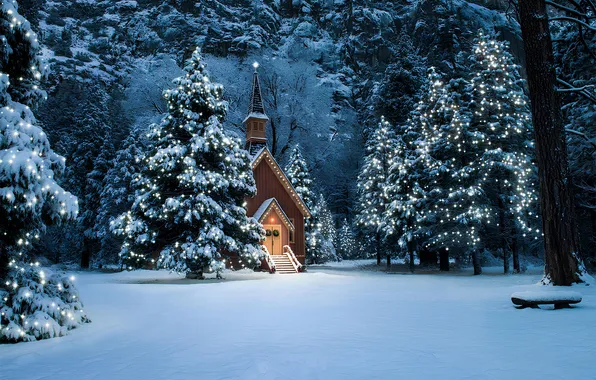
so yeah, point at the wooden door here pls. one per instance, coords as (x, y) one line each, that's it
(274, 243)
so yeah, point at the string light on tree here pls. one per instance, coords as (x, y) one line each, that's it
(189, 204)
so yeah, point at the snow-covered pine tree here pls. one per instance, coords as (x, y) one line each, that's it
(399, 91)
(189, 206)
(346, 242)
(499, 149)
(437, 124)
(399, 222)
(298, 173)
(323, 233)
(575, 53)
(117, 194)
(33, 303)
(372, 182)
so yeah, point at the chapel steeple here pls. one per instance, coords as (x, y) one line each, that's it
(256, 120)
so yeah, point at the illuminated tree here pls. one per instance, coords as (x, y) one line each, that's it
(323, 233)
(189, 205)
(346, 242)
(34, 304)
(476, 142)
(298, 173)
(500, 147)
(372, 182)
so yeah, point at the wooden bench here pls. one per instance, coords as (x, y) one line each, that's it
(532, 299)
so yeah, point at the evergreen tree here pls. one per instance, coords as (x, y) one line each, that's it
(399, 91)
(30, 197)
(476, 145)
(500, 135)
(298, 173)
(575, 53)
(117, 194)
(190, 196)
(372, 182)
(323, 233)
(399, 222)
(346, 242)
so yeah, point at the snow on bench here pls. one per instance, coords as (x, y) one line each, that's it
(561, 299)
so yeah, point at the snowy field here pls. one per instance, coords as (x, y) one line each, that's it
(326, 324)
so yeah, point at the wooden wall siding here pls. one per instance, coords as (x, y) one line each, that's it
(255, 129)
(269, 186)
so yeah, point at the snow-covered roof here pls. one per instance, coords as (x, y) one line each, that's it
(268, 205)
(264, 153)
(255, 115)
(255, 151)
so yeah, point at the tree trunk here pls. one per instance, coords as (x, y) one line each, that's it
(388, 262)
(86, 254)
(503, 231)
(444, 260)
(561, 245)
(476, 263)
(593, 239)
(411, 245)
(515, 251)
(378, 250)
(3, 265)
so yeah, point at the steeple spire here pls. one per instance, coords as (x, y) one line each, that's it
(256, 120)
(256, 99)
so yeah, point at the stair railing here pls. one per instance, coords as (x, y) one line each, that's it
(269, 260)
(295, 263)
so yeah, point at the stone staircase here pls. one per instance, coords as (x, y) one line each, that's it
(283, 265)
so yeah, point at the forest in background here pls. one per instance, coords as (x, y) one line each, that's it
(330, 69)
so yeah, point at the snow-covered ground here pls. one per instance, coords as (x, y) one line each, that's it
(325, 324)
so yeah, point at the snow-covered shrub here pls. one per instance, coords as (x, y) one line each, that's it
(38, 304)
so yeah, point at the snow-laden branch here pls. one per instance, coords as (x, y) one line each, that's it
(576, 89)
(570, 88)
(582, 135)
(566, 9)
(571, 19)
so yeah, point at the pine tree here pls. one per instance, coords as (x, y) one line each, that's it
(323, 233)
(399, 222)
(117, 194)
(500, 137)
(33, 303)
(448, 218)
(399, 91)
(372, 182)
(189, 204)
(346, 242)
(298, 173)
